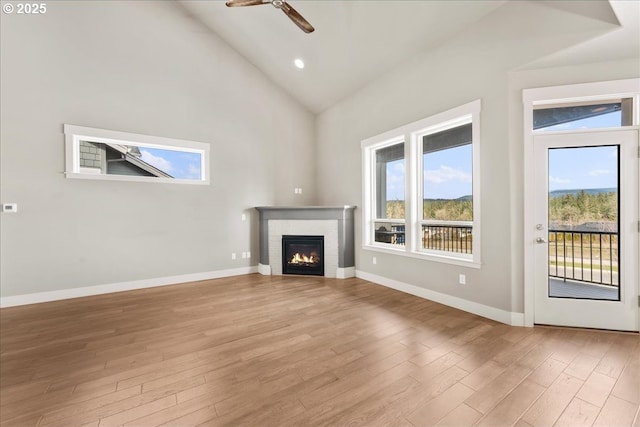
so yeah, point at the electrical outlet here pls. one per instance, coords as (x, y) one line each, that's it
(244, 217)
(462, 279)
(233, 255)
(244, 255)
(248, 254)
(374, 260)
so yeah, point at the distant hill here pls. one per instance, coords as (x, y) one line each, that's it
(463, 199)
(552, 194)
(592, 191)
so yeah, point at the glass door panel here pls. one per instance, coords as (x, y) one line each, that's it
(583, 222)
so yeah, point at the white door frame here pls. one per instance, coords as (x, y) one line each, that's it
(584, 312)
(629, 88)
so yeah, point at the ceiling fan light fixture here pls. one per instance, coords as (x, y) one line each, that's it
(299, 63)
(297, 19)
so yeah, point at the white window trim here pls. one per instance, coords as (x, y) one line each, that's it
(411, 134)
(370, 171)
(75, 134)
(554, 96)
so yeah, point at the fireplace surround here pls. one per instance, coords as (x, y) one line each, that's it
(334, 223)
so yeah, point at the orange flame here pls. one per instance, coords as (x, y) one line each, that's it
(303, 259)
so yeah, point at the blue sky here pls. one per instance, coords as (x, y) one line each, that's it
(447, 173)
(583, 168)
(178, 164)
(395, 180)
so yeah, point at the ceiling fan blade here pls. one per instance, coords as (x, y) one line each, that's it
(234, 3)
(297, 18)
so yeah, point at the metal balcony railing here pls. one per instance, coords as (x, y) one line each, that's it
(449, 238)
(589, 256)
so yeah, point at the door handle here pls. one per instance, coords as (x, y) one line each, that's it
(540, 240)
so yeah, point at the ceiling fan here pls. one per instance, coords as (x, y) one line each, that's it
(278, 4)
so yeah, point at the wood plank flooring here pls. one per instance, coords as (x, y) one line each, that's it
(302, 351)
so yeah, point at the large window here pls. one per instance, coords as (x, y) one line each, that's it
(447, 196)
(421, 188)
(111, 155)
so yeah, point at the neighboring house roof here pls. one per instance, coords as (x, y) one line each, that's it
(132, 156)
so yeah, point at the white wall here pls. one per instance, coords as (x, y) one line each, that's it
(474, 65)
(141, 67)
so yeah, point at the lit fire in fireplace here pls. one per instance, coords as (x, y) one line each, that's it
(304, 259)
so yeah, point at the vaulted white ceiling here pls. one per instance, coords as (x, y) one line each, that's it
(356, 42)
(622, 42)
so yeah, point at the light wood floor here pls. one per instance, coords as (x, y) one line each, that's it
(289, 351)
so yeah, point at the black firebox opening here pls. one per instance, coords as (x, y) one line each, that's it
(303, 255)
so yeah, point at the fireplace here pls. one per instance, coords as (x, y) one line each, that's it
(303, 255)
(334, 223)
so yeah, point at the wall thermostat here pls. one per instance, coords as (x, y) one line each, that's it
(10, 207)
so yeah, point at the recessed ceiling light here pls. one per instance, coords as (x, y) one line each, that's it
(299, 63)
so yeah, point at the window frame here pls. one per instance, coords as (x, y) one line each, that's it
(74, 134)
(411, 134)
(442, 126)
(534, 98)
(373, 185)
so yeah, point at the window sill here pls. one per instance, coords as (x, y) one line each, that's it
(445, 259)
(76, 175)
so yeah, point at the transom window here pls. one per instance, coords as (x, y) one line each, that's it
(421, 188)
(595, 114)
(104, 154)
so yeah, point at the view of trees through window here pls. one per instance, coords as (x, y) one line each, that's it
(583, 187)
(583, 206)
(583, 214)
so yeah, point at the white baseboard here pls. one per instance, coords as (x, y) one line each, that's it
(345, 273)
(503, 316)
(265, 270)
(120, 287)
(517, 319)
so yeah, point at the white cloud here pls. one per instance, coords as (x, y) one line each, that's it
(556, 180)
(159, 162)
(445, 174)
(598, 172)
